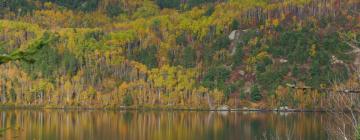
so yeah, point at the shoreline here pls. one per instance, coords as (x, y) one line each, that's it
(132, 108)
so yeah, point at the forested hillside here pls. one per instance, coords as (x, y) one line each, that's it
(177, 53)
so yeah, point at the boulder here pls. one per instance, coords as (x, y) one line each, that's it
(283, 108)
(223, 107)
(241, 72)
(232, 35)
(283, 60)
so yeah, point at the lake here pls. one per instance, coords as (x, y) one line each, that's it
(160, 125)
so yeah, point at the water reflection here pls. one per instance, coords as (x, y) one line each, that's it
(152, 125)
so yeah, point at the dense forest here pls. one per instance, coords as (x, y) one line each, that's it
(177, 53)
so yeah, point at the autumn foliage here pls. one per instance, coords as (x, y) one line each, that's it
(176, 54)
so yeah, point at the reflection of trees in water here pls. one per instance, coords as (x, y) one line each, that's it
(60, 124)
(271, 125)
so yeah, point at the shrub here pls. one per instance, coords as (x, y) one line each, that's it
(168, 3)
(239, 54)
(216, 77)
(221, 43)
(113, 10)
(235, 24)
(209, 11)
(189, 57)
(242, 94)
(128, 101)
(255, 93)
(147, 56)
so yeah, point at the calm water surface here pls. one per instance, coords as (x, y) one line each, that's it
(159, 125)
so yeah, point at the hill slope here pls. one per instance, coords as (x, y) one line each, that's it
(193, 54)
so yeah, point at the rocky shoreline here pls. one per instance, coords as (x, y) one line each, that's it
(221, 108)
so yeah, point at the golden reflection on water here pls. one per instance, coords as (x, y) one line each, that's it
(158, 125)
